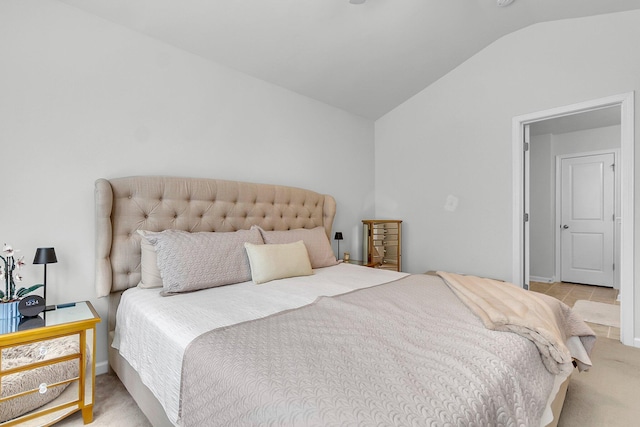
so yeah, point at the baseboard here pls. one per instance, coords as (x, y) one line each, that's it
(541, 279)
(102, 367)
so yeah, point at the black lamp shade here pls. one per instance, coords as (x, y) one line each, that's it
(338, 235)
(45, 256)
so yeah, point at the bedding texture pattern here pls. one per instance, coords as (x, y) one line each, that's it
(153, 332)
(404, 353)
(193, 261)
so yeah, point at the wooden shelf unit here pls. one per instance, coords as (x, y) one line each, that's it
(382, 243)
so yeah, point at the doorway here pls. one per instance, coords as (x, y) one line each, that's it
(521, 177)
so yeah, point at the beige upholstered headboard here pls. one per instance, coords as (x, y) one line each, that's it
(155, 203)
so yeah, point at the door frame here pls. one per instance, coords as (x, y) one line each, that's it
(558, 213)
(626, 103)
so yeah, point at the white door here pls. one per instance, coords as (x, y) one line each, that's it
(587, 215)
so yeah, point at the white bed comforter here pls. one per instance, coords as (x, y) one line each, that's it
(152, 332)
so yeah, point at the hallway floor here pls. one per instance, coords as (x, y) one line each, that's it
(569, 293)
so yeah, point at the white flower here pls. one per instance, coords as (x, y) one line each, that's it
(7, 249)
(17, 276)
(1, 271)
(20, 262)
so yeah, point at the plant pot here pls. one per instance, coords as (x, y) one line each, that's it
(9, 317)
(9, 310)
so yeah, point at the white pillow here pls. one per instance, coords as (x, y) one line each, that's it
(193, 261)
(150, 275)
(315, 239)
(278, 261)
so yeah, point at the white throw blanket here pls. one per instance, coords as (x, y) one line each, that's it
(505, 307)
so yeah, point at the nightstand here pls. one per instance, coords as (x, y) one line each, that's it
(61, 342)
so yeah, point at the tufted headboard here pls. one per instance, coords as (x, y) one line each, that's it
(155, 203)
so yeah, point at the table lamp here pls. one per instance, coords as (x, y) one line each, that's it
(45, 256)
(338, 237)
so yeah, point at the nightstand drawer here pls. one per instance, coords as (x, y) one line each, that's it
(28, 366)
(35, 388)
(22, 355)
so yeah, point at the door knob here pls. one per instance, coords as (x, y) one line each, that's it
(565, 226)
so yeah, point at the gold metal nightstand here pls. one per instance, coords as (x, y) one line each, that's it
(77, 322)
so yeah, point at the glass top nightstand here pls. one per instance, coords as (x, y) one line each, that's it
(40, 337)
(81, 311)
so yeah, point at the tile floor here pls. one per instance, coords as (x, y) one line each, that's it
(569, 293)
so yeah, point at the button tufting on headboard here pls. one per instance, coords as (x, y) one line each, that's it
(124, 205)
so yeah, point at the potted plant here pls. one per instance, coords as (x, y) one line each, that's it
(10, 272)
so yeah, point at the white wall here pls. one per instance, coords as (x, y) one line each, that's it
(454, 137)
(81, 99)
(544, 149)
(603, 138)
(542, 254)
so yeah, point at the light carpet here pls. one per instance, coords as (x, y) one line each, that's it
(114, 407)
(598, 312)
(604, 396)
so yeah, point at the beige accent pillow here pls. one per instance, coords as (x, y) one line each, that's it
(315, 239)
(193, 261)
(148, 264)
(278, 261)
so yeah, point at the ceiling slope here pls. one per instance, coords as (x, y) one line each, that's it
(366, 59)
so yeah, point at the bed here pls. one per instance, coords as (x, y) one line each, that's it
(336, 344)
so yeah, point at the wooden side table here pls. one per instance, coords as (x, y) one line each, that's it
(78, 322)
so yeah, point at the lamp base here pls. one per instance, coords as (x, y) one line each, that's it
(50, 308)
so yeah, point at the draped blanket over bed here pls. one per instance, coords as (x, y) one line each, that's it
(404, 353)
(542, 319)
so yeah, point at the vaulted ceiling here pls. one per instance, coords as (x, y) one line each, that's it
(364, 58)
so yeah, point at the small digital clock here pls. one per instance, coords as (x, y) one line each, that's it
(31, 305)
